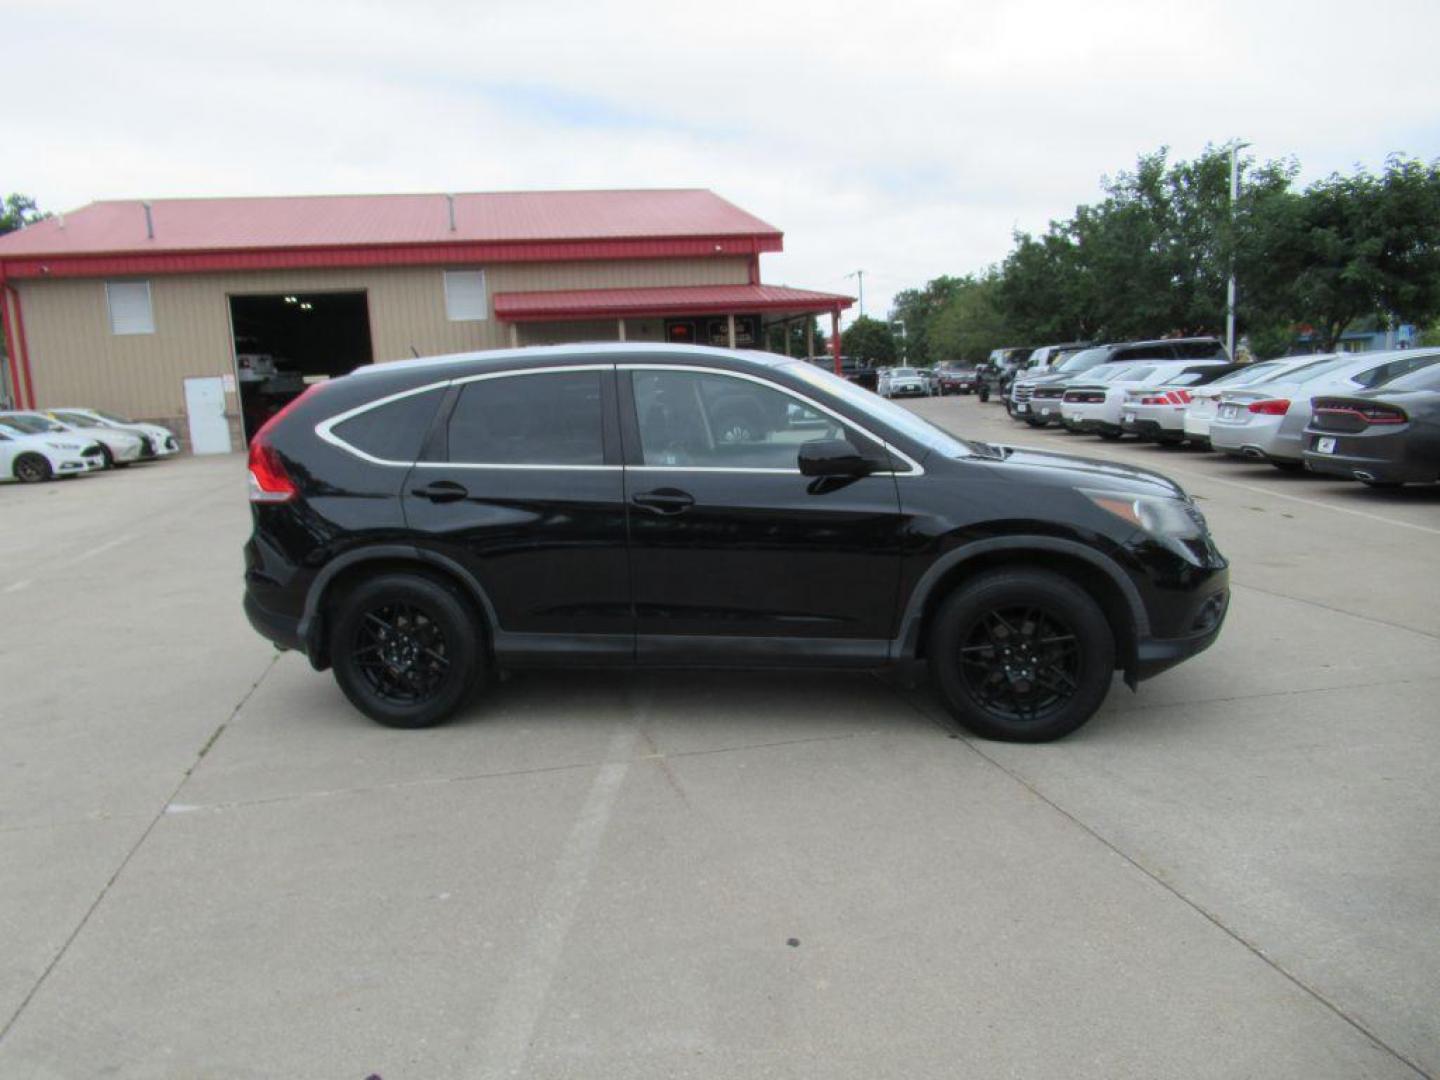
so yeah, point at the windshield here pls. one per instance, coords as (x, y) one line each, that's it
(32, 425)
(77, 419)
(904, 372)
(1387, 372)
(887, 412)
(1253, 373)
(1083, 360)
(1306, 372)
(111, 417)
(1427, 378)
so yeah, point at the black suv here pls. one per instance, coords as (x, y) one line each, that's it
(419, 524)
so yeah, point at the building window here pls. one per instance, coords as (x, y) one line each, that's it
(130, 307)
(465, 296)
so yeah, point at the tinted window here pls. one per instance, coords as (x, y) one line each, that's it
(1145, 352)
(1198, 350)
(714, 421)
(1427, 378)
(1084, 360)
(545, 419)
(1378, 376)
(1253, 373)
(392, 432)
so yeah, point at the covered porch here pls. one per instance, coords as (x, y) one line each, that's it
(731, 316)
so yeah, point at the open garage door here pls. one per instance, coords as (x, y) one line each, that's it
(286, 341)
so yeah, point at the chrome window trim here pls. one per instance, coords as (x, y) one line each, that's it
(325, 429)
(915, 467)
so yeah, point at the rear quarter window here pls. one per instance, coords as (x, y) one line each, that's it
(549, 418)
(393, 431)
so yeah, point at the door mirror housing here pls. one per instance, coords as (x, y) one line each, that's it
(834, 457)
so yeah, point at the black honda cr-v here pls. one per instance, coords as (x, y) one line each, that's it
(419, 524)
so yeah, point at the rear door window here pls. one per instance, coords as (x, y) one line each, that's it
(392, 431)
(548, 418)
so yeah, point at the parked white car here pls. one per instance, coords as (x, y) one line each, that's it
(156, 441)
(117, 447)
(1095, 403)
(31, 458)
(1266, 420)
(903, 382)
(1204, 399)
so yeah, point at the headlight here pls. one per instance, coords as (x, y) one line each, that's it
(1174, 522)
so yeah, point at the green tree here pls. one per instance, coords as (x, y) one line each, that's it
(915, 308)
(869, 339)
(972, 323)
(18, 210)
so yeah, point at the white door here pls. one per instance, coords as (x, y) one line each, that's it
(205, 406)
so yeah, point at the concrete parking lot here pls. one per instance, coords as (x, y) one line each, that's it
(214, 867)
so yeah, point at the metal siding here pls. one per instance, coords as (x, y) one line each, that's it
(75, 359)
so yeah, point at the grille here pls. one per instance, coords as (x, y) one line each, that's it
(1023, 391)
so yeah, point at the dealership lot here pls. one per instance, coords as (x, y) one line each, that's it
(216, 868)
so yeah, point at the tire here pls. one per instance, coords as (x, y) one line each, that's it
(1077, 648)
(1112, 436)
(1036, 423)
(32, 468)
(1288, 466)
(388, 634)
(107, 456)
(1383, 485)
(983, 393)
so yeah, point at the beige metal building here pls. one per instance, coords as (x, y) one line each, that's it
(208, 314)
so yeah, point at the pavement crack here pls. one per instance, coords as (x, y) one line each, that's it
(952, 730)
(129, 855)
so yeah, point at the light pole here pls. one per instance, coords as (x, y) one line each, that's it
(859, 276)
(904, 352)
(1235, 147)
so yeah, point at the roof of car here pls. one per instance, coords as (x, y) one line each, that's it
(617, 350)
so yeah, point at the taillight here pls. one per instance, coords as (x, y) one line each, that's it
(1270, 407)
(269, 483)
(1384, 414)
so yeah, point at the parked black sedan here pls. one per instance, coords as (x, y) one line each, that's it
(1384, 437)
(419, 524)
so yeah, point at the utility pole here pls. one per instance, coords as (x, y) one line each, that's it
(859, 276)
(1235, 147)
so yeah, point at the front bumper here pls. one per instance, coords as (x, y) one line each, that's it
(1204, 622)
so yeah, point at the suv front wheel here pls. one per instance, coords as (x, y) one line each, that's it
(406, 649)
(1021, 655)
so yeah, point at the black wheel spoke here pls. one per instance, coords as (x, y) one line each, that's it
(1020, 662)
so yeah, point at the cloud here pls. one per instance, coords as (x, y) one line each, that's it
(907, 139)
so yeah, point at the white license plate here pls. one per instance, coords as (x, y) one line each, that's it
(1022, 408)
(1229, 412)
(1325, 446)
(1128, 418)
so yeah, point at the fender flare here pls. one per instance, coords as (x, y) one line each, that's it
(908, 642)
(309, 626)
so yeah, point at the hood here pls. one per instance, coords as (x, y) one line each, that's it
(1072, 471)
(112, 436)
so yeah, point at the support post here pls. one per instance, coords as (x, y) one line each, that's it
(730, 323)
(809, 336)
(621, 324)
(835, 339)
(514, 335)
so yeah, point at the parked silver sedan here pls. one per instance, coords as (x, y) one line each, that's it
(1266, 421)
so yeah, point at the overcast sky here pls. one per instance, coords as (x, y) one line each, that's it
(907, 139)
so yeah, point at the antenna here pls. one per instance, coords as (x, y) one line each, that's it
(149, 222)
(859, 276)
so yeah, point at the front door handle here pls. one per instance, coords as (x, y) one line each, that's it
(442, 491)
(664, 500)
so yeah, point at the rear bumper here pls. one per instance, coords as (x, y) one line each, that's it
(1380, 470)
(281, 629)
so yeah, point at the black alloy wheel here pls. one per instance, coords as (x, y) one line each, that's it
(406, 649)
(1022, 655)
(32, 468)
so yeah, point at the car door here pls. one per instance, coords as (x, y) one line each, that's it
(734, 553)
(520, 482)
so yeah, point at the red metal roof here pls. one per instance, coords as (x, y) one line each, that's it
(674, 300)
(343, 221)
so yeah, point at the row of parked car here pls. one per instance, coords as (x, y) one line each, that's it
(1373, 417)
(37, 446)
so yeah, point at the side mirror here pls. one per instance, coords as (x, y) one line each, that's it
(833, 457)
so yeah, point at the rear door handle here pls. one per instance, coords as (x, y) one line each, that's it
(664, 500)
(442, 491)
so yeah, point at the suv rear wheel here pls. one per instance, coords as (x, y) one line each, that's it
(1022, 655)
(406, 649)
